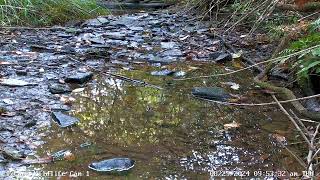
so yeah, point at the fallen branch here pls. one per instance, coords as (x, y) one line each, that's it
(312, 152)
(260, 104)
(293, 121)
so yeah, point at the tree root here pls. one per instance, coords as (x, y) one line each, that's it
(284, 93)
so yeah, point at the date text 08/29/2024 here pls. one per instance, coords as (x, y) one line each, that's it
(259, 173)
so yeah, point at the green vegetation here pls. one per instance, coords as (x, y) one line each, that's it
(47, 12)
(309, 62)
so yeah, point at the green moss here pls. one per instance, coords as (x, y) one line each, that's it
(47, 12)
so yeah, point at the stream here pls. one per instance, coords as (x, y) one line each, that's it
(169, 133)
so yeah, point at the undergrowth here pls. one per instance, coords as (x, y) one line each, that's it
(47, 12)
(310, 61)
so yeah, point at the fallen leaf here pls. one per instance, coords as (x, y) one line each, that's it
(231, 125)
(279, 138)
(232, 85)
(237, 55)
(78, 90)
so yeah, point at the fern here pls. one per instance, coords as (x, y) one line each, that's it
(315, 25)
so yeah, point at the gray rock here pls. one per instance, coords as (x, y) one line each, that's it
(79, 78)
(64, 120)
(113, 165)
(168, 45)
(173, 52)
(213, 93)
(164, 72)
(115, 35)
(21, 72)
(220, 56)
(136, 28)
(59, 88)
(96, 22)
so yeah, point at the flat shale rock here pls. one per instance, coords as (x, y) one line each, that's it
(79, 78)
(64, 120)
(220, 56)
(113, 165)
(212, 93)
(59, 88)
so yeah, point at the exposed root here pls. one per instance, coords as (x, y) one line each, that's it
(285, 93)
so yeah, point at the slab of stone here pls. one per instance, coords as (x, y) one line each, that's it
(79, 77)
(59, 88)
(212, 93)
(64, 120)
(220, 56)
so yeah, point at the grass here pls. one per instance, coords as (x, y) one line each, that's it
(47, 12)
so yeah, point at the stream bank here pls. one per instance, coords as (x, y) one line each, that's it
(168, 132)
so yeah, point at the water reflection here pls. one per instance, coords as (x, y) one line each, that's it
(168, 133)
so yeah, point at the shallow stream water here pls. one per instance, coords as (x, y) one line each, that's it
(169, 133)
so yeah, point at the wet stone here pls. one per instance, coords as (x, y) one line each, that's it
(168, 45)
(79, 78)
(59, 88)
(164, 72)
(116, 35)
(96, 22)
(21, 72)
(64, 120)
(113, 165)
(173, 52)
(220, 56)
(213, 93)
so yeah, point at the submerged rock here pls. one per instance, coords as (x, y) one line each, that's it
(113, 165)
(164, 72)
(64, 120)
(79, 78)
(59, 88)
(220, 56)
(213, 93)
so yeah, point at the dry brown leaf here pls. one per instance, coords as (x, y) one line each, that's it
(279, 138)
(231, 125)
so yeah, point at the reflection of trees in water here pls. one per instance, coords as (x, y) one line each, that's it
(119, 113)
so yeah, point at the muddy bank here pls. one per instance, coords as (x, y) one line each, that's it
(105, 72)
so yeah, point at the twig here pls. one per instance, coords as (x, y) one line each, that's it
(261, 104)
(293, 121)
(303, 164)
(308, 16)
(301, 124)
